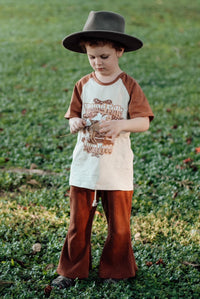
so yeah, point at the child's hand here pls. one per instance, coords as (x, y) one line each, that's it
(76, 124)
(110, 128)
(113, 128)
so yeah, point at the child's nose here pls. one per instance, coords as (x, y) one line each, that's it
(98, 60)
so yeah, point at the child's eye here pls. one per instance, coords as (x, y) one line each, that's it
(104, 56)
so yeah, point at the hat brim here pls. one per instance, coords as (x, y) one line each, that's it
(130, 43)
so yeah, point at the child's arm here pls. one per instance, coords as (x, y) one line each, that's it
(114, 127)
(76, 124)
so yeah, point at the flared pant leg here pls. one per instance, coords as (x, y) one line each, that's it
(117, 260)
(75, 259)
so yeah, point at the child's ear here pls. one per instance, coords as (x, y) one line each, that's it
(120, 52)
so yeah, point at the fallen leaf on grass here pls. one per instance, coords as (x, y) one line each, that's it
(47, 290)
(197, 266)
(49, 266)
(197, 150)
(33, 182)
(194, 167)
(160, 262)
(175, 194)
(29, 171)
(149, 264)
(137, 236)
(5, 284)
(30, 89)
(19, 86)
(23, 112)
(60, 147)
(189, 140)
(21, 207)
(188, 160)
(33, 166)
(23, 188)
(98, 213)
(37, 247)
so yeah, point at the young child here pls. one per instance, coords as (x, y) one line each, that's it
(105, 107)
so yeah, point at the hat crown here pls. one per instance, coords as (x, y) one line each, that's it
(104, 21)
(103, 25)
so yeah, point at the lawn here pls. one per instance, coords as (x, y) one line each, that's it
(37, 76)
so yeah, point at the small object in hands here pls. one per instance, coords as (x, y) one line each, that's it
(93, 125)
(87, 122)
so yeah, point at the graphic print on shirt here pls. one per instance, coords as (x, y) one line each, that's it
(97, 143)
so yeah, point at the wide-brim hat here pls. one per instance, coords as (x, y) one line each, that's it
(103, 25)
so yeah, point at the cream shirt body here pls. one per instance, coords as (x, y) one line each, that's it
(99, 164)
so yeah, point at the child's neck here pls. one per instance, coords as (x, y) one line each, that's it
(109, 78)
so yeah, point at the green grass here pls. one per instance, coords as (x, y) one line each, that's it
(36, 79)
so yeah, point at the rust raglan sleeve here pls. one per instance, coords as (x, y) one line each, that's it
(138, 105)
(75, 107)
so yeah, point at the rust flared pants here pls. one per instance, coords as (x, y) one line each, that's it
(117, 259)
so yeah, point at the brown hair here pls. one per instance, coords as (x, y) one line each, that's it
(100, 42)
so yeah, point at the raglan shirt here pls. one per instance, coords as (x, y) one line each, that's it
(98, 163)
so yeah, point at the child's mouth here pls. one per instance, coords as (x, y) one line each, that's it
(100, 69)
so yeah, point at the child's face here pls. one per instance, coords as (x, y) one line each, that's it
(104, 59)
